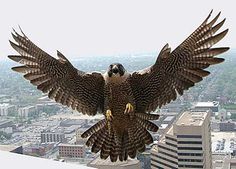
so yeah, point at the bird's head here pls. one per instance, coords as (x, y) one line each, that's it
(116, 70)
(116, 73)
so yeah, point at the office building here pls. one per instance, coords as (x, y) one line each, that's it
(52, 136)
(27, 111)
(206, 106)
(227, 126)
(6, 109)
(72, 151)
(187, 144)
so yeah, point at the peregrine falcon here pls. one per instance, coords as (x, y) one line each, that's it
(127, 100)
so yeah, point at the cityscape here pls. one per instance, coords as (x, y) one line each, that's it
(198, 130)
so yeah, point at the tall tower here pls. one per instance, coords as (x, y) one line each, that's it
(187, 144)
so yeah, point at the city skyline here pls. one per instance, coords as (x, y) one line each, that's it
(107, 28)
(197, 130)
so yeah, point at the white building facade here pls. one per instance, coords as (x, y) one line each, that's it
(187, 144)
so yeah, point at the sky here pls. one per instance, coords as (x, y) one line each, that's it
(93, 28)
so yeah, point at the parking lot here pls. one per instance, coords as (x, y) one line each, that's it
(223, 141)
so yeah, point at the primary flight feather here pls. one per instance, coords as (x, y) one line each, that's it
(125, 99)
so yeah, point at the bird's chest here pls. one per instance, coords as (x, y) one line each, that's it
(118, 96)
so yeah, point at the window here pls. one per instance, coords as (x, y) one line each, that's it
(189, 148)
(189, 142)
(169, 138)
(170, 144)
(163, 158)
(162, 152)
(191, 160)
(189, 136)
(191, 166)
(163, 164)
(189, 154)
(167, 149)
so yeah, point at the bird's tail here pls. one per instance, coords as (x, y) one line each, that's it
(122, 146)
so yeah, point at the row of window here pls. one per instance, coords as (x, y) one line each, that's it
(71, 148)
(191, 166)
(171, 161)
(167, 165)
(162, 152)
(189, 148)
(169, 138)
(189, 154)
(191, 160)
(167, 149)
(170, 144)
(189, 142)
(154, 165)
(189, 136)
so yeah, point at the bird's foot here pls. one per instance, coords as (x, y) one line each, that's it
(129, 108)
(109, 118)
(109, 115)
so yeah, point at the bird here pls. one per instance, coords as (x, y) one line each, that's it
(127, 100)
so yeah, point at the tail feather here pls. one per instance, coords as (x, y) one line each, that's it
(146, 116)
(99, 141)
(121, 144)
(94, 128)
(131, 147)
(107, 145)
(147, 137)
(148, 125)
(114, 152)
(139, 142)
(124, 147)
(91, 139)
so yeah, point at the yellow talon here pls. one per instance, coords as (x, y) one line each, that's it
(129, 108)
(109, 117)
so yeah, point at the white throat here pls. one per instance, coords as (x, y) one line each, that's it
(115, 78)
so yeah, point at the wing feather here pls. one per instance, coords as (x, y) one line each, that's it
(57, 77)
(180, 69)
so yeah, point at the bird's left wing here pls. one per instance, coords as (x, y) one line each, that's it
(178, 70)
(79, 90)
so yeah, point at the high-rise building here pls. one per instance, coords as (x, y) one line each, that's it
(6, 109)
(187, 144)
(27, 111)
(52, 136)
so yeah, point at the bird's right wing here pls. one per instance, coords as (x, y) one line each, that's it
(57, 77)
(180, 69)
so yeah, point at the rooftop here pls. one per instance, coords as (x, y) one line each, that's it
(223, 142)
(76, 115)
(8, 147)
(29, 162)
(206, 104)
(71, 145)
(169, 118)
(191, 119)
(100, 162)
(5, 105)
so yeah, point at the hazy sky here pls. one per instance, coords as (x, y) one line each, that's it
(106, 27)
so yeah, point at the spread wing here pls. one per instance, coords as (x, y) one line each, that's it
(57, 77)
(180, 69)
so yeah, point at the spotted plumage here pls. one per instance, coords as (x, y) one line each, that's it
(125, 99)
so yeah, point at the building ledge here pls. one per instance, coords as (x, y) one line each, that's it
(12, 161)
